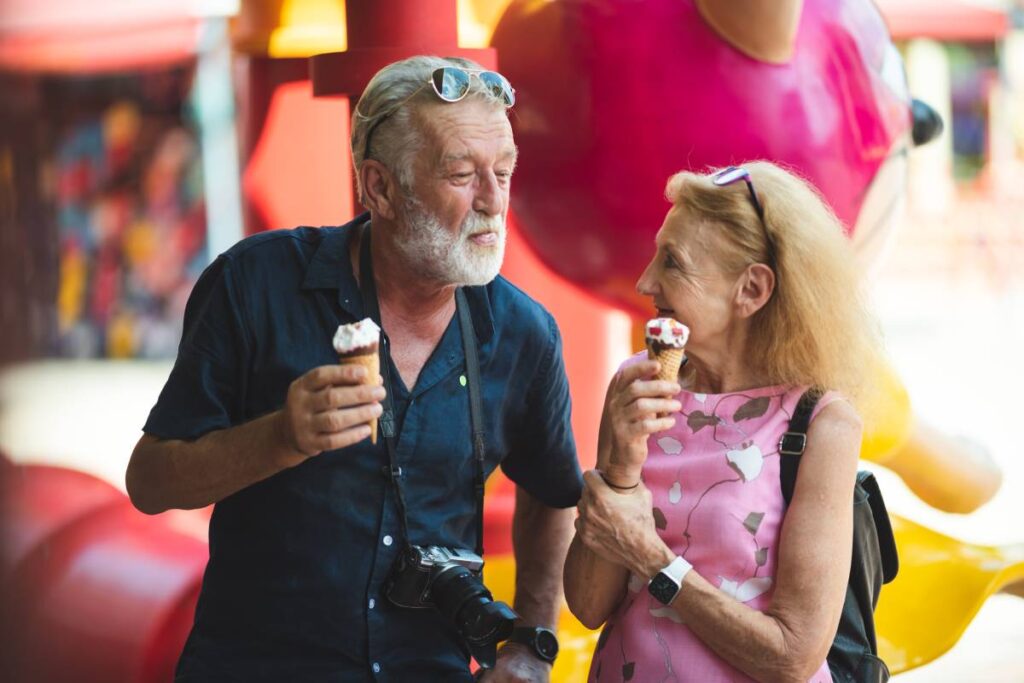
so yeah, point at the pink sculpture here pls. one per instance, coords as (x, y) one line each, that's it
(614, 96)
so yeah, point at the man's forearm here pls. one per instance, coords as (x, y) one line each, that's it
(540, 537)
(192, 474)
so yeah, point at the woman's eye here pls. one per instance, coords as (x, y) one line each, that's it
(670, 262)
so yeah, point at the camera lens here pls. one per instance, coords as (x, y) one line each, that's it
(460, 596)
(486, 621)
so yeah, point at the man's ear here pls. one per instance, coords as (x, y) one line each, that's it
(381, 194)
(754, 288)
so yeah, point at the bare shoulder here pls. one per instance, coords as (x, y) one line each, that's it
(838, 415)
(833, 443)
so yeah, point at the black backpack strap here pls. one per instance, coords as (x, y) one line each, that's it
(794, 441)
(883, 525)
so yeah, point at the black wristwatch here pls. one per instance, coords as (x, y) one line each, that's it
(541, 641)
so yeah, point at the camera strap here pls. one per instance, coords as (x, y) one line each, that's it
(371, 308)
(476, 410)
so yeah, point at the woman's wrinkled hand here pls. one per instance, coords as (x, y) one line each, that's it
(631, 413)
(619, 527)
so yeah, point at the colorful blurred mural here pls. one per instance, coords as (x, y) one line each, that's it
(128, 197)
(119, 189)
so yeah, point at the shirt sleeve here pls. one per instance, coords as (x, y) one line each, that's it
(543, 457)
(206, 387)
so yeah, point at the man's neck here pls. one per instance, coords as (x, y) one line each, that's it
(419, 306)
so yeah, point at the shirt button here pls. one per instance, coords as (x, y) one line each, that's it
(376, 667)
(373, 603)
(388, 540)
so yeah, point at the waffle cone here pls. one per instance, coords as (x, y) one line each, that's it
(370, 361)
(670, 360)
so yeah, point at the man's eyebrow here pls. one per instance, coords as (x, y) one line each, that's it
(452, 157)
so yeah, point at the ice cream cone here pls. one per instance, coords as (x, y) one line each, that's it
(356, 344)
(670, 360)
(370, 361)
(666, 339)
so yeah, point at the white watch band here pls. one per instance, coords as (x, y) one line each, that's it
(666, 584)
(677, 570)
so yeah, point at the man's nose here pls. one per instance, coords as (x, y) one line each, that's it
(490, 197)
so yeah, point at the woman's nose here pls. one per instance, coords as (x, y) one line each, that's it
(646, 285)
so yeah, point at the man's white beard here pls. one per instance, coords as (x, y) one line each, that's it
(435, 254)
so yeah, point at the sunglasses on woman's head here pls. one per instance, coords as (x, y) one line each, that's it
(451, 84)
(734, 174)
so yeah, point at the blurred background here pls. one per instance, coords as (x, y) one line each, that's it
(139, 140)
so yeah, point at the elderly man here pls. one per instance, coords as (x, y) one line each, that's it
(259, 418)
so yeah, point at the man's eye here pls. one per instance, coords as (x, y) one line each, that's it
(670, 262)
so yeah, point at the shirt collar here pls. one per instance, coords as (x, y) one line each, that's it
(330, 269)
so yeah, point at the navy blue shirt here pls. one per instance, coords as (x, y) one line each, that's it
(292, 590)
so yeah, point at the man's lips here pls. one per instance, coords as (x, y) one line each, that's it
(485, 239)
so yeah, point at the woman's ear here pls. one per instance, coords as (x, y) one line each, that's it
(380, 189)
(755, 287)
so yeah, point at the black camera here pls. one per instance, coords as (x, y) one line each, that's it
(448, 579)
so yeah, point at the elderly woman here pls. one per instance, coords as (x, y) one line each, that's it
(687, 482)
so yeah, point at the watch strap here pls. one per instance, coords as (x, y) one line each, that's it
(527, 635)
(677, 569)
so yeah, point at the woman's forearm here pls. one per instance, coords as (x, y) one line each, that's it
(594, 587)
(760, 644)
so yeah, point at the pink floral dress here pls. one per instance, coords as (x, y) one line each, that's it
(718, 503)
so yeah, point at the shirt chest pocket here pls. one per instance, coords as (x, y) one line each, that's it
(435, 447)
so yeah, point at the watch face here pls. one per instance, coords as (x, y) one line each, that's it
(663, 588)
(546, 644)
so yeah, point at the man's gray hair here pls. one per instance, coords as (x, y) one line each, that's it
(392, 98)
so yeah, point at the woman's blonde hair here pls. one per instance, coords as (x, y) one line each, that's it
(815, 329)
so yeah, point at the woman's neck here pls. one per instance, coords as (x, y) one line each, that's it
(720, 370)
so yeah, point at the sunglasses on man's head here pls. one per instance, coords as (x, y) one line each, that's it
(451, 84)
(734, 174)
